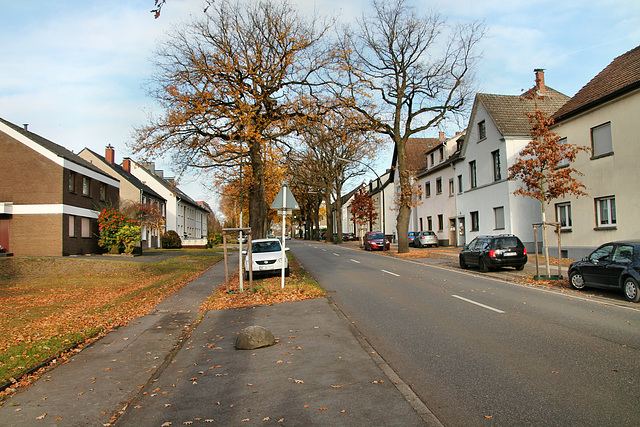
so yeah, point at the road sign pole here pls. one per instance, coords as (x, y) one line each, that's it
(284, 239)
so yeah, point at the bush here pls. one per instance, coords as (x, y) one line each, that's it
(214, 239)
(171, 240)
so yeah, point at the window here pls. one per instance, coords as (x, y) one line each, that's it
(564, 162)
(475, 222)
(440, 222)
(601, 143)
(606, 212)
(432, 161)
(86, 227)
(72, 182)
(495, 156)
(472, 174)
(563, 215)
(429, 223)
(452, 189)
(460, 184)
(482, 130)
(86, 186)
(441, 152)
(103, 191)
(72, 226)
(438, 185)
(623, 254)
(498, 218)
(602, 254)
(421, 225)
(427, 189)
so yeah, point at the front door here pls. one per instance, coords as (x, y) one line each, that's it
(461, 232)
(4, 234)
(452, 232)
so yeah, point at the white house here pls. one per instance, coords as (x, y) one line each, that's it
(498, 130)
(437, 210)
(183, 214)
(604, 117)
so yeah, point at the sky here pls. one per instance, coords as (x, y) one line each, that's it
(76, 71)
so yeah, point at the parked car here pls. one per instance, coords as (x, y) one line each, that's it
(504, 250)
(412, 237)
(614, 265)
(373, 240)
(347, 237)
(266, 257)
(426, 238)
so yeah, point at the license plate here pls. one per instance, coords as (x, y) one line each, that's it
(510, 254)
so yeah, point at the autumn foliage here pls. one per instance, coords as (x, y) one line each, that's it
(117, 232)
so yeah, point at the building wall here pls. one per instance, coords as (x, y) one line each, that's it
(612, 175)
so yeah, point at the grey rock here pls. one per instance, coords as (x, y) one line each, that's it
(254, 337)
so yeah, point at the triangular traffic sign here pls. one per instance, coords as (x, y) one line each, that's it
(282, 202)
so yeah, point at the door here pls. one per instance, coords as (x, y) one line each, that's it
(452, 232)
(622, 259)
(595, 271)
(4, 235)
(461, 232)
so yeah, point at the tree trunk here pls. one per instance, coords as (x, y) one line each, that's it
(257, 203)
(404, 208)
(329, 235)
(339, 212)
(544, 239)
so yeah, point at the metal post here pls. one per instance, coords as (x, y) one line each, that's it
(226, 266)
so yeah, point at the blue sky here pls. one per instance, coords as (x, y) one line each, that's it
(75, 70)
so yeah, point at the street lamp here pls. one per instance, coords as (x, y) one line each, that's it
(384, 235)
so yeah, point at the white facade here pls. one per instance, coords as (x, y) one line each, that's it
(486, 205)
(182, 215)
(436, 207)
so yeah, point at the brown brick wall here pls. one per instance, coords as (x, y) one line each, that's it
(27, 177)
(36, 235)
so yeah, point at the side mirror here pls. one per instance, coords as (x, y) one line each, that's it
(585, 259)
(286, 249)
(244, 252)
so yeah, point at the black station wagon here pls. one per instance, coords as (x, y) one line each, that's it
(614, 265)
(504, 250)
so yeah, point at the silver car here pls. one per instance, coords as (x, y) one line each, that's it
(426, 238)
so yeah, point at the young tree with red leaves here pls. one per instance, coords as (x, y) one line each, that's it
(540, 170)
(362, 210)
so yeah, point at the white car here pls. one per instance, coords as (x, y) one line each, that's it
(266, 257)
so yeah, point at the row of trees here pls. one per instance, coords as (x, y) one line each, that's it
(257, 92)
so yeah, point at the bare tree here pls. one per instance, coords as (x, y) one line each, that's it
(419, 68)
(231, 85)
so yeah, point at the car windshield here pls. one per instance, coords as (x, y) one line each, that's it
(272, 246)
(375, 236)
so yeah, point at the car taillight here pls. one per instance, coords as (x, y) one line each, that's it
(492, 253)
(525, 251)
(435, 236)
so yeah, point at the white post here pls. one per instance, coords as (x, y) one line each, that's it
(284, 219)
(240, 269)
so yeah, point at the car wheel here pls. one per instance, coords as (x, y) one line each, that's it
(418, 244)
(576, 280)
(482, 266)
(520, 267)
(631, 290)
(463, 264)
(246, 275)
(286, 272)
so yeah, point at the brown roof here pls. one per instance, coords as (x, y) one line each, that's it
(416, 149)
(621, 76)
(508, 111)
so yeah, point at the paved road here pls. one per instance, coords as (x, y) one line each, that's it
(479, 350)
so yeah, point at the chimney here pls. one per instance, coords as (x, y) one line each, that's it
(110, 154)
(540, 87)
(26, 126)
(441, 136)
(126, 164)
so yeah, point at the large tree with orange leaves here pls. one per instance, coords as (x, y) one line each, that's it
(232, 84)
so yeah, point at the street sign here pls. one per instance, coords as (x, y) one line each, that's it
(285, 200)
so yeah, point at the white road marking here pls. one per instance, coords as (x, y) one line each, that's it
(336, 254)
(356, 261)
(478, 304)
(388, 272)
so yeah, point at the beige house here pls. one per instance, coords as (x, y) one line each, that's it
(603, 116)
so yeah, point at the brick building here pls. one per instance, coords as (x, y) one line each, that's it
(49, 197)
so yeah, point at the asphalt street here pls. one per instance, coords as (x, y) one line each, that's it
(476, 349)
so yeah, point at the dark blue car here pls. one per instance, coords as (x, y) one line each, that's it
(614, 265)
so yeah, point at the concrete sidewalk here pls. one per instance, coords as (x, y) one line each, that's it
(155, 372)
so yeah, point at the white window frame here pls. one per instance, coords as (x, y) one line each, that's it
(601, 140)
(439, 185)
(452, 189)
(498, 218)
(495, 159)
(564, 162)
(475, 221)
(482, 130)
(606, 212)
(473, 174)
(563, 210)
